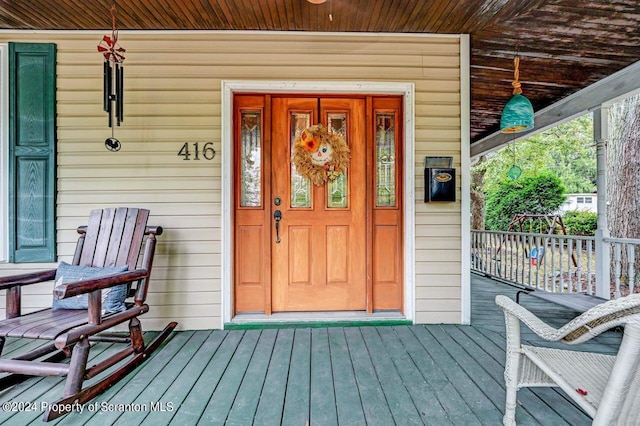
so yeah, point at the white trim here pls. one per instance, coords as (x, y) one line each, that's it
(229, 87)
(465, 184)
(4, 151)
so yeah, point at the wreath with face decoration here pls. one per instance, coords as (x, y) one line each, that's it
(320, 155)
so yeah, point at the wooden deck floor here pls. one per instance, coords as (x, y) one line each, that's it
(404, 375)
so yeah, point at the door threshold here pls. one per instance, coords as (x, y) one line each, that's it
(316, 320)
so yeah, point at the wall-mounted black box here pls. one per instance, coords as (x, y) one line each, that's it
(439, 184)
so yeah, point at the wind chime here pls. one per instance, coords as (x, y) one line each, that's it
(113, 80)
(515, 171)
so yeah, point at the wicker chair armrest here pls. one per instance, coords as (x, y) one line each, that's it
(582, 328)
(536, 325)
(26, 279)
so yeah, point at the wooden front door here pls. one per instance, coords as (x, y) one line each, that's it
(327, 253)
(319, 262)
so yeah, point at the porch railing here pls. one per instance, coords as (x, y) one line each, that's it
(554, 263)
(624, 266)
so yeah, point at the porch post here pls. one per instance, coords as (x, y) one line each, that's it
(603, 249)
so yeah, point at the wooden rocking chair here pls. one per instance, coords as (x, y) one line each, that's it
(113, 237)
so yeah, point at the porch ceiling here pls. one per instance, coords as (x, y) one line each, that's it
(565, 45)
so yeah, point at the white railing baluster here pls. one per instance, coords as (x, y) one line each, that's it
(561, 255)
(553, 266)
(545, 256)
(631, 258)
(513, 258)
(589, 284)
(579, 287)
(494, 253)
(523, 245)
(617, 260)
(569, 265)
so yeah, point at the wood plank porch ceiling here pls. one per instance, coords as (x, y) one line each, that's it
(565, 45)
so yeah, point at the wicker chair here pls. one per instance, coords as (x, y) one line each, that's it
(607, 387)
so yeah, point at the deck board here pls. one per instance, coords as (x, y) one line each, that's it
(193, 371)
(191, 409)
(224, 394)
(271, 403)
(152, 386)
(398, 398)
(422, 395)
(348, 403)
(446, 392)
(323, 398)
(298, 395)
(422, 374)
(248, 396)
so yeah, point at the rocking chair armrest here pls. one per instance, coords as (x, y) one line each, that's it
(87, 286)
(26, 279)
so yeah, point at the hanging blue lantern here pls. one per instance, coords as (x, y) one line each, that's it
(517, 115)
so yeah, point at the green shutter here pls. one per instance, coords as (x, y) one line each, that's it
(32, 138)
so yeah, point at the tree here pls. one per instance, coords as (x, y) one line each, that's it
(566, 150)
(477, 193)
(623, 171)
(541, 194)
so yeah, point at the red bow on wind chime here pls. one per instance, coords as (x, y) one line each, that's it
(113, 79)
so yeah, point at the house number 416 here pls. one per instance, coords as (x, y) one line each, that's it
(206, 151)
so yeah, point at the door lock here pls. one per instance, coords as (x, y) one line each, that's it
(277, 201)
(277, 216)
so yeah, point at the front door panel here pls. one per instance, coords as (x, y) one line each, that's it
(319, 261)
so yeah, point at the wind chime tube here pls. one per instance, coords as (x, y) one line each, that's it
(120, 93)
(110, 87)
(116, 94)
(105, 86)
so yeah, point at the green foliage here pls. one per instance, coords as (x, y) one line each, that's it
(580, 223)
(568, 151)
(541, 194)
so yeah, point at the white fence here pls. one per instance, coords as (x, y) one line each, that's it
(555, 263)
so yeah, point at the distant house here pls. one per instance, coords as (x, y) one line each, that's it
(583, 202)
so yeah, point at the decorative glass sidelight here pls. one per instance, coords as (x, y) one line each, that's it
(250, 159)
(300, 185)
(385, 160)
(337, 189)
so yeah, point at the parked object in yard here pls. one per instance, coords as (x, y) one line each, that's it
(91, 295)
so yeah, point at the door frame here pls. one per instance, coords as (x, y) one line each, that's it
(231, 87)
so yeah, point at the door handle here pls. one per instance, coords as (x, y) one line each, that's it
(277, 216)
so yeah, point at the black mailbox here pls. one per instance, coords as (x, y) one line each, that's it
(439, 184)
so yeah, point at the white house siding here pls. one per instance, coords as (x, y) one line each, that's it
(172, 96)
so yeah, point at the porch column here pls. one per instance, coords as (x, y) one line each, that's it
(603, 249)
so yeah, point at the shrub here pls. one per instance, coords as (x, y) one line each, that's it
(580, 223)
(542, 194)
